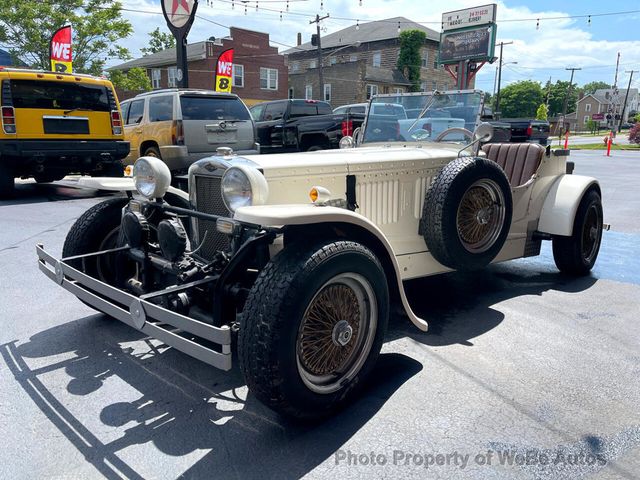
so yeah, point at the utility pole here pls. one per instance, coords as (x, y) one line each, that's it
(497, 112)
(320, 77)
(615, 80)
(566, 96)
(626, 97)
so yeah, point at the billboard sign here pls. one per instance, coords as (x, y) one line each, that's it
(477, 43)
(60, 52)
(469, 17)
(224, 71)
(597, 116)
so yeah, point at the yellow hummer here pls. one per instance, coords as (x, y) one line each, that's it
(54, 124)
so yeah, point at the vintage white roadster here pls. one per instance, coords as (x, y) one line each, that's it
(300, 255)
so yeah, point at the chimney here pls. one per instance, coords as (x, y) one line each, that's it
(299, 39)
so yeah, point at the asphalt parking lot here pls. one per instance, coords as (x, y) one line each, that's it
(524, 374)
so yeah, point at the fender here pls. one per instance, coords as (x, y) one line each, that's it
(301, 214)
(560, 205)
(120, 184)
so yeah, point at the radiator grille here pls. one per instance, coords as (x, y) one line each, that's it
(209, 200)
(379, 201)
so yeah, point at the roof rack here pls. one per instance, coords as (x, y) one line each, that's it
(177, 90)
(33, 70)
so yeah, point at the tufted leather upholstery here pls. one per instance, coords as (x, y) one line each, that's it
(518, 160)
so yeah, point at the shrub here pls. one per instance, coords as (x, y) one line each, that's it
(634, 134)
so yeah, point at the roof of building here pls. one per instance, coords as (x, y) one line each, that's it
(367, 32)
(601, 94)
(195, 51)
(385, 75)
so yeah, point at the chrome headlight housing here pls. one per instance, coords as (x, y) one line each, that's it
(243, 186)
(152, 177)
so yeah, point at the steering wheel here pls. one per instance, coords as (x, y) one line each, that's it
(464, 131)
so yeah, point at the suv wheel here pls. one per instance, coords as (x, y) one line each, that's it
(152, 152)
(312, 327)
(7, 183)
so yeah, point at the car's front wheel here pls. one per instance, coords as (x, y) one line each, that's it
(313, 326)
(7, 181)
(576, 254)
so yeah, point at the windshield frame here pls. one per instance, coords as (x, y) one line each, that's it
(472, 121)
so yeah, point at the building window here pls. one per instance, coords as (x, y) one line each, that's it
(377, 59)
(172, 73)
(371, 91)
(398, 90)
(313, 64)
(423, 87)
(333, 60)
(155, 78)
(353, 57)
(291, 93)
(586, 119)
(425, 60)
(238, 75)
(268, 78)
(435, 64)
(434, 85)
(587, 107)
(308, 92)
(295, 66)
(327, 92)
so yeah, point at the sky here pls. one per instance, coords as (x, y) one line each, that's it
(542, 50)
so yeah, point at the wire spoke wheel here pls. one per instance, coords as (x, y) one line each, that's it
(480, 216)
(336, 332)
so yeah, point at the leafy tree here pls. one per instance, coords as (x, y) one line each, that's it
(409, 61)
(159, 41)
(521, 99)
(542, 113)
(591, 87)
(557, 92)
(26, 28)
(591, 125)
(136, 79)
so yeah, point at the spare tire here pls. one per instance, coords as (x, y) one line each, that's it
(467, 213)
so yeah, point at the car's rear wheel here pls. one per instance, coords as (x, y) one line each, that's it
(152, 152)
(313, 326)
(7, 181)
(576, 254)
(48, 177)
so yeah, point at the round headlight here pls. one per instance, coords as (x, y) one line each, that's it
(152, 177)
(243, 186)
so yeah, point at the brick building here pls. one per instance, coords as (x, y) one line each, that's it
(259, 72)
(359, 61)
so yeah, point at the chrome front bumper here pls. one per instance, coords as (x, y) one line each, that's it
(149, 318)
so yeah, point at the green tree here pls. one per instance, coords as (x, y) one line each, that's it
(557, 92)
(134, 80)
(542, 113)
(591, 125)
(158, 41)
(409, 61)
(591, 87)
(26, 28)
(521, 99)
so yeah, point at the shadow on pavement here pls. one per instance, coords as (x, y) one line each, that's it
(458, 305)
(183, 406)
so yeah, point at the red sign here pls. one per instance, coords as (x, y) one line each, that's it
(597, 116)
(224, 71)
(60, 50)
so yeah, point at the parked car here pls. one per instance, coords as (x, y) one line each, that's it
(181, 126)
(528, 130)
(298, 256)
(54, 124)
(301, 125)
(359, 108)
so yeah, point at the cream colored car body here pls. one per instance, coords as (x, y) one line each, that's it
(391, 181)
